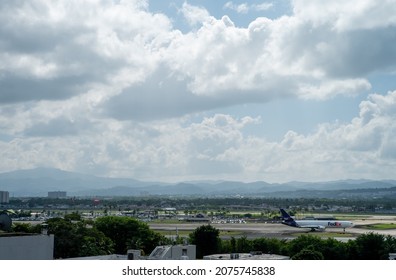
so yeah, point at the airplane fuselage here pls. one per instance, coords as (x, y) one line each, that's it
(314, 224)
(323, 224)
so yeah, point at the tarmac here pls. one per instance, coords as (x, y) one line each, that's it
(278, 230)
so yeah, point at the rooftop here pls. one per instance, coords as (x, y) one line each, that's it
(246, 256)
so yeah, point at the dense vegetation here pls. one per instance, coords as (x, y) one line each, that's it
(129, 233)
(370, 246)
(75, 237)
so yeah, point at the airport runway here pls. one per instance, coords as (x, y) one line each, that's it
(277, 230)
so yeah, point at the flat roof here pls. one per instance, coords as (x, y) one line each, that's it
(13, 234)
(103, 257)
(245, 256)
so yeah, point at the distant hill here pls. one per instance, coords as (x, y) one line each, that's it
(37, 182)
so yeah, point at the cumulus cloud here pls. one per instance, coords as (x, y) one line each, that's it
(342, 16)
(195, 15)
(217, 147)
(53, 50)
(244, 8)
(110, 87)
(60, 49)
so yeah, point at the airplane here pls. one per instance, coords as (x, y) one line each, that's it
(318, 225)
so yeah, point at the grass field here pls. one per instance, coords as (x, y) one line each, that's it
(379, 226)
(325, 234)
(185, 233)
(166, 221)
(351, 217)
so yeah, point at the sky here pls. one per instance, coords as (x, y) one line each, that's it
(278, 91)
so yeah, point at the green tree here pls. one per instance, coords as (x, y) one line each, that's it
(77, 240)
(27, 228)
(74, 216)
(233, 245)
(65, 243)
(243, 245)
(95, 243)
(129, 233)
(334, 249)
(207, 240)
(267, 245)
(371, 246)
(308, 254)
(390, 245)
(228, 246)
(304, 241)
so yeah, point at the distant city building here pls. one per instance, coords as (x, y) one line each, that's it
(4, 197)
(57, 194)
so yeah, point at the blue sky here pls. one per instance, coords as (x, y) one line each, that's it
(185, 90)
(242, 13)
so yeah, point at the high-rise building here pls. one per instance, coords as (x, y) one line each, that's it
(57, 194)
(4, 197)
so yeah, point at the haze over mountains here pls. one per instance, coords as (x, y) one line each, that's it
(37, 182)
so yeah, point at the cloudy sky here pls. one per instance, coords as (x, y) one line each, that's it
(200, 89)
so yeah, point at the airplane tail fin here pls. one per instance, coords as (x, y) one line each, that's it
(287, 219)
(285, 215)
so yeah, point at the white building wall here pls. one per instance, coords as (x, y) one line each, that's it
(31, 247)
(187, 252)
(173, 252)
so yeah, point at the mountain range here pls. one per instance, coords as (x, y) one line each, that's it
(39, 181)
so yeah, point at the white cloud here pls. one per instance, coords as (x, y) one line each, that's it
(329, 89)
(61, 44)
(241, 8)
(216, 147)
(119, 46)
(244, 8)
(263, 6)
(108, 87)
(347, 15)
(195, 15)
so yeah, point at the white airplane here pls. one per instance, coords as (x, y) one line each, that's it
(319, 225)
